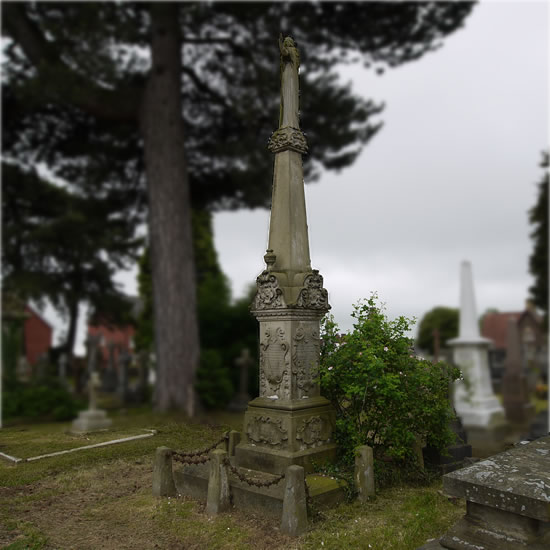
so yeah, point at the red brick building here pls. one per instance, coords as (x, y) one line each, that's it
(37, 336)
(119, 337)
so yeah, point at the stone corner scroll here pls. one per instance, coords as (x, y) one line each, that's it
(313, 295)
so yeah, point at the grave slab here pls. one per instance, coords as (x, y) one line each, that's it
(507, 501)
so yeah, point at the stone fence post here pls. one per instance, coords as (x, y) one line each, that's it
(218, 499)
(364, 473)
(294, 520)
(163, 479)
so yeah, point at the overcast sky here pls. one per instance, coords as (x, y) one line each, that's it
(451, 176)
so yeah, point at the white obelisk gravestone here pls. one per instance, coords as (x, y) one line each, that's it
(475, 401)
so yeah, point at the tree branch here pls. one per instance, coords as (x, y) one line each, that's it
(62, 83)
(202, 87)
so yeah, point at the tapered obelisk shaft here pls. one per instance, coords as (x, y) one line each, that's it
(288, 235)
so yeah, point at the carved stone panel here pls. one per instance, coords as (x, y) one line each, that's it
(305, 359)
(287, 138)
(313, 432)
(264, 430)
(313, 295)
(274, 363)
(269, 295)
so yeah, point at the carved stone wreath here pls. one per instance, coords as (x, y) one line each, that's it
(269, 295)
(313, 295)
(270, 431)
(313, 432)
(287, 138)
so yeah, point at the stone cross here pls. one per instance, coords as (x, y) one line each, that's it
(93, 384)
(289, 423)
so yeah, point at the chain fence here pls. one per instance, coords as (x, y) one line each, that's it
(252, 481)
(198, 457)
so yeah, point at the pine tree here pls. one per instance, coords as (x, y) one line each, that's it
(98, 90)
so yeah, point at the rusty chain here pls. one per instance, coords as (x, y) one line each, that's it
(254, 482)
(198, 457)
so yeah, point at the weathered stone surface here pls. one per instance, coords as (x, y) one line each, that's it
(218, 497)
(274, 437)
(516, 481)
(364, 473)
(508, 500)
(163, 480)
(515, 396)
(294, 517)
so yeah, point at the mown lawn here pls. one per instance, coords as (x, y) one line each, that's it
(101, 498)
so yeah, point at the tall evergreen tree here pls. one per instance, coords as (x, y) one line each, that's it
(538, 261)
(107, 93)
(64, 247)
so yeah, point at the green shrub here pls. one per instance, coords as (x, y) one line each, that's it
(213, 380)
(385, 396)
(44, 399)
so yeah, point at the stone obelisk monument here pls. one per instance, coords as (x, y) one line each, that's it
(474, 400)
(290, 422)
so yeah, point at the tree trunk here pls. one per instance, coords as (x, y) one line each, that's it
(173, 268)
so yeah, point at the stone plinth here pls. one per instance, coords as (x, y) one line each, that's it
(91, 420)
(508, 500)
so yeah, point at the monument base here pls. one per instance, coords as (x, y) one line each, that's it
(90, 421)
(278, 434)
(192, 481)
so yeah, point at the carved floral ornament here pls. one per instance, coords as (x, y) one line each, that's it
(269, 295)
(287, 138)
(313, 295)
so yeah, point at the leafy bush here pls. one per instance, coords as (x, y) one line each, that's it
(44, 399)
(384, 395)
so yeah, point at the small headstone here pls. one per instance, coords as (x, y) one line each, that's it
(110, 378)
(124, 360)
(62, 368)
(240, 401)
(515, 396)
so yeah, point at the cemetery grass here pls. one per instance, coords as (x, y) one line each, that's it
(101, 498)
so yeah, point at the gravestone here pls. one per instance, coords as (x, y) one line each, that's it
(143, 382)
(290, 422)
(109, 374)
(515, 395)
(124, 361)
(241, 399)
(62, 369)
(92, 419)
(474, 400)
